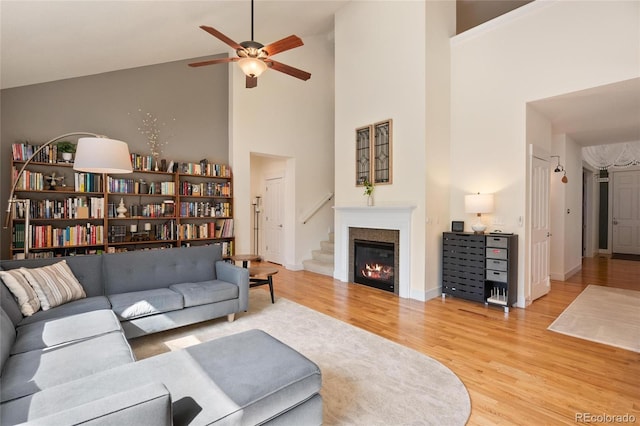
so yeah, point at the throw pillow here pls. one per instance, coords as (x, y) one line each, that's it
(54, 284)
(23, 292)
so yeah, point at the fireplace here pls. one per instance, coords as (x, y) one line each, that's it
(375, 223)
(374, 257)
(373, 264)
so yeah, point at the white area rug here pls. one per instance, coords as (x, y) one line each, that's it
(605, 315)
(366, 379)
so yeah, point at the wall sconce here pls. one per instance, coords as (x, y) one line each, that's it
(560, 169)
(478, 204)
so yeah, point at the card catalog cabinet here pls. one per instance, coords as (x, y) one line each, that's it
(482, 268)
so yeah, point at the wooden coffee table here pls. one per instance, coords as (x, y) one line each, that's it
(261, 275)
(244, 258)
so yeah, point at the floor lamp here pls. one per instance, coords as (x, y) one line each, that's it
(94, 154)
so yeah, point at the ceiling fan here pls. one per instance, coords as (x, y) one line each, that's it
(254, 58)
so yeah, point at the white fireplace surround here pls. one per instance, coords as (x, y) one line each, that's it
(376, 217)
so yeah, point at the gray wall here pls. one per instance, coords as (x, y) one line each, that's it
(193, 102)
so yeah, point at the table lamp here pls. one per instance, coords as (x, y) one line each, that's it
(478, 204)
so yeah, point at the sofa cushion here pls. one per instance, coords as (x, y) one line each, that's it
(142, 303)
(149, 404)
(54, 284)
(217, 381)
(205, 292)
(7, 337)
(86, 269)
(76, 307)
(10, 305)
(147, 270)
(46, 334)
(24, 294)
(30, 372)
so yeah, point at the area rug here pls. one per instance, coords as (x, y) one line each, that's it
(605, 315)
(366, 379)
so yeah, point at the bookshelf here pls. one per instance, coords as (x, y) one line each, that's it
(73, 213)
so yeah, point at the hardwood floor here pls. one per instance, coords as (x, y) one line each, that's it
(516, 371)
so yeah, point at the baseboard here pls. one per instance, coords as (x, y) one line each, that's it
(559, 276)
(294, 266)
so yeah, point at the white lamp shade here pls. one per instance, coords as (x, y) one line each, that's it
(478, 203)
(102, 155)
(252, 67)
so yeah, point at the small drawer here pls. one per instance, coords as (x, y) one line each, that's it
(496, 253)
(497, 276)
(497, 265)
(500, 242)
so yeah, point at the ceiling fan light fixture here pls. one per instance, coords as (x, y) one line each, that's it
(252, 67)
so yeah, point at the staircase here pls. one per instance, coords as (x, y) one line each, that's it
(322, 260)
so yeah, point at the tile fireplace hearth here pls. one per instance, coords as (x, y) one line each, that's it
(394, 218)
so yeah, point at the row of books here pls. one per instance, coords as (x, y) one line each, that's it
(205, 209)
(206, 189)
(67, 251)
(24, 151)
(204, 168)
(69, 208)
(221, 228)
(87, 182)
(145, 163)
(37, 181)
(44, 236)
(132, 186)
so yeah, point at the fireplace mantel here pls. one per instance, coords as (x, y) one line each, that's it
(397, 217)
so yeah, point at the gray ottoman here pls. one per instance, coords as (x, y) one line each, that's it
(244, 379)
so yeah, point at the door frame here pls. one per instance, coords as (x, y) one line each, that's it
(533, 151)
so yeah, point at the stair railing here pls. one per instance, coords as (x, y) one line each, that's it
(325, 199)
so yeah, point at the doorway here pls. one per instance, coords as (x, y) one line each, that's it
(625, 213)
(274, 220)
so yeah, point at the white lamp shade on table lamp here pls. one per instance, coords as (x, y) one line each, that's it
(478, 204)
(102, 155)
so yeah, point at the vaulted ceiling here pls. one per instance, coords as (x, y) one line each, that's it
(44, 41)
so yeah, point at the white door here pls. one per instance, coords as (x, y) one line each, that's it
(540, 228)
(273, 220)
(626, 212)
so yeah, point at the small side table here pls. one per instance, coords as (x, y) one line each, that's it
(245, 258)
(261, 275)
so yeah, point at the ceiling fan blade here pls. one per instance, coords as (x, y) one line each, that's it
(286, 43)
(217, 34)
(213, 62)
(252, 82)
(288, 69)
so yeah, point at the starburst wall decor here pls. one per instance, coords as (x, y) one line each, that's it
(151, 129)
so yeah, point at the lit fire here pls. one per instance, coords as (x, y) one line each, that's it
(377, 271)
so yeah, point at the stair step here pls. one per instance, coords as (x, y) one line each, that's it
(318, 267)
(327, 246)
(322, 256)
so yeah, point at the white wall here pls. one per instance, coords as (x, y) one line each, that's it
(288, 118)
(566, 209)
(380, 74)
(540, 50)
(440, 18)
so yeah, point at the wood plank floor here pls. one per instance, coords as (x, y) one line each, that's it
(516, 371)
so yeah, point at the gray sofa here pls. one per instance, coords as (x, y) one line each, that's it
(72, 364)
